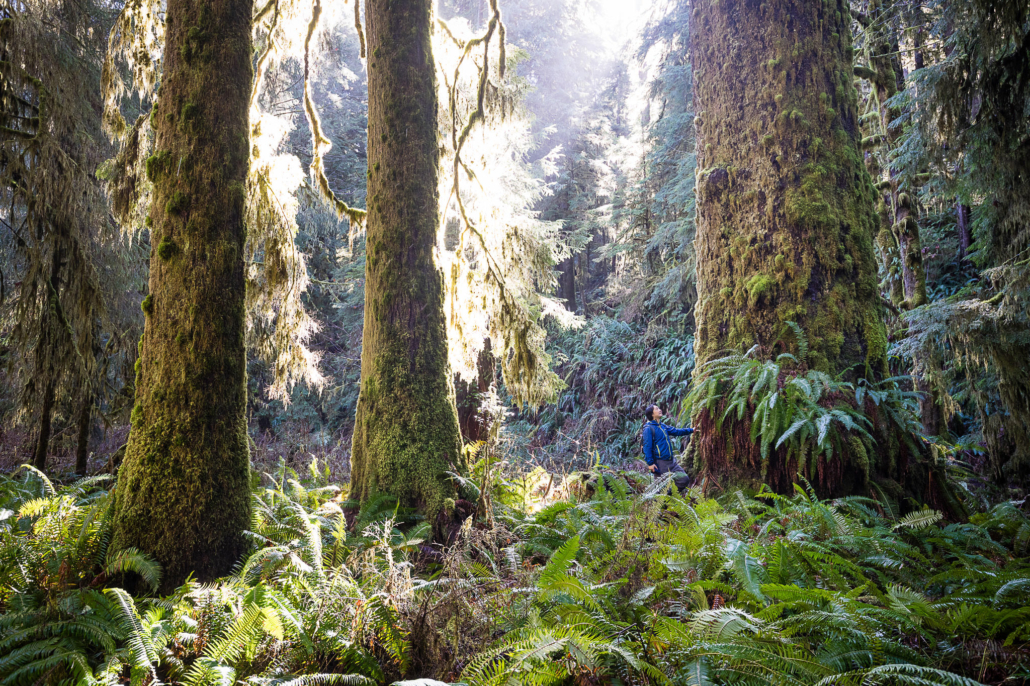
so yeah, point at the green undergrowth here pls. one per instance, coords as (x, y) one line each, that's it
(614, 582)
(805, 413)
(612, 370)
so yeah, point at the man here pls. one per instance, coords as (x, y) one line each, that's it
(658, 447)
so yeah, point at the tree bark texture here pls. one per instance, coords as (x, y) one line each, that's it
(965, 230)
(786, 209)
(183, 490)
(406, 433)
(567, 282)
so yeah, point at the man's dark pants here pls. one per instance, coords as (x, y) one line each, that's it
(682, 480)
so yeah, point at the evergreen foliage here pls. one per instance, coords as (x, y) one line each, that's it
(966, 133)
(656, 223)
(63, 280)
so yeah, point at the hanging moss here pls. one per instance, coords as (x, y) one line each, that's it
(871, 142)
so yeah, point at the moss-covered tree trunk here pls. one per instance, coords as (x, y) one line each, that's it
(406, 429)
(786, 209)
(183, 492)
(898, 208)
(887, 78)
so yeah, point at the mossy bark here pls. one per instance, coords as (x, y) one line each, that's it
(901, 217)
(406, 433)
(46, 371)
(183, 490)
(897, 208)
(474, 422)
(785, 207)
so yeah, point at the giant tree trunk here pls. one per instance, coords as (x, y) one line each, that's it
(183, 490)
(406, 429)
(786, 209)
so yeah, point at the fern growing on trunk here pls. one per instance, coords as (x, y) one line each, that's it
(802, 423)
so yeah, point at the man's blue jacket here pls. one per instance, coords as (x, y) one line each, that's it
(656, 440)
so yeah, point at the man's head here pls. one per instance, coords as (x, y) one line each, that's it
(653, 413)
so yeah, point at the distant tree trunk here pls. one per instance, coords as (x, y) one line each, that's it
(567, 282)
(785, 209)
(183, 492)
(46, 414)
(965, 233)
(888, 80)
(406, 433)
(586, 276)
(45, 368)
(901, 218)
(82, 441)
(913, 270)
(474, 423)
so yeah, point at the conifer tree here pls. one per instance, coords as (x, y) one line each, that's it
(54, 220)
(786, 218)
(183, 490)
(406, 434)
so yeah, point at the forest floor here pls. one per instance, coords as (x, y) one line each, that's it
(596, 578)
